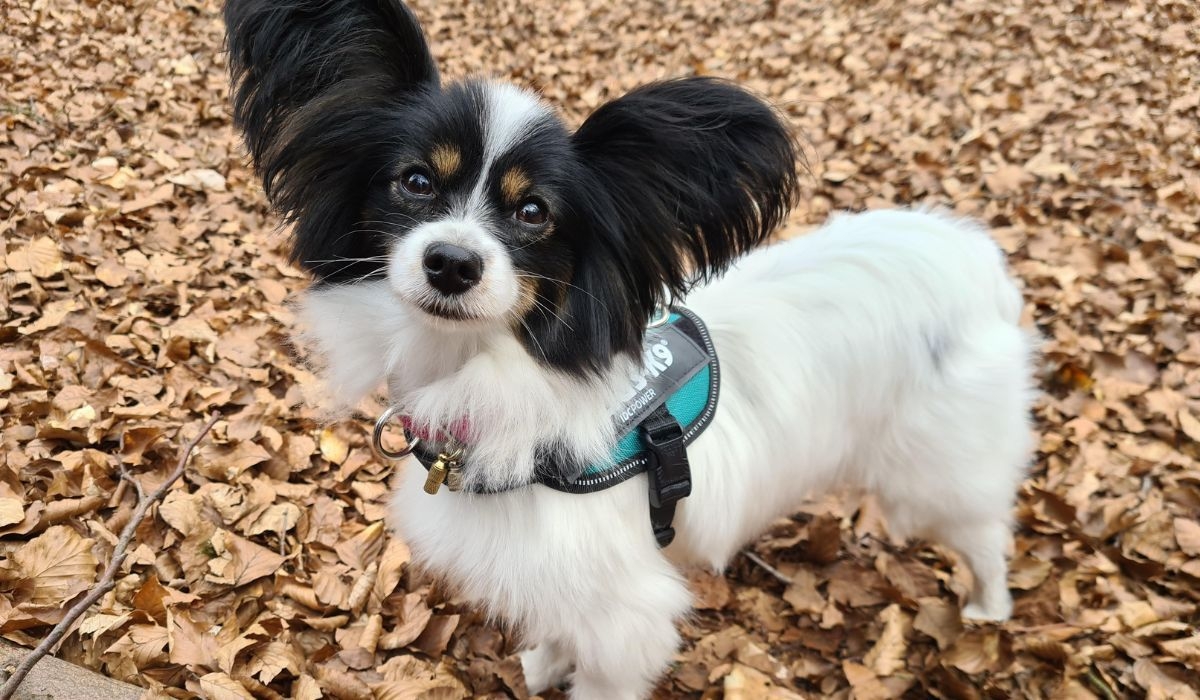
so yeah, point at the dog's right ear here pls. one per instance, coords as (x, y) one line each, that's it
(313, 81)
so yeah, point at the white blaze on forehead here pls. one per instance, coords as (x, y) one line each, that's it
(512, 113)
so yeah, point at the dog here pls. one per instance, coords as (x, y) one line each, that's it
(498, 271)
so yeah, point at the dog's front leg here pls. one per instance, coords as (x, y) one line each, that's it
(624, 645)
(546, 666)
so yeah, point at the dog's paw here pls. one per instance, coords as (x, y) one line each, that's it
(545, 667)
(996, 612)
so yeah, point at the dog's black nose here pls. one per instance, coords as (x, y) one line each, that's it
(451, 269)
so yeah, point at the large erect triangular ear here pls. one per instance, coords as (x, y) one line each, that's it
(311, 81)
(696, 170)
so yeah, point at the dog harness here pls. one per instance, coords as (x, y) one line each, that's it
(670, 402)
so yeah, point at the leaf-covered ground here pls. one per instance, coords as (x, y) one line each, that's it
(143, 284)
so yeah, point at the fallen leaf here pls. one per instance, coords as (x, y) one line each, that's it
(887, 656)
(1187, 534)
(201, 179)
(745, 683)
(278, 518)
(239, 561)
(55, 565)
(219, 686)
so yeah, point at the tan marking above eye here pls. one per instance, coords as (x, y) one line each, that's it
(513, 184)
(445, 160)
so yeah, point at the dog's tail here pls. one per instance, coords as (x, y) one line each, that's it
(1008, 299)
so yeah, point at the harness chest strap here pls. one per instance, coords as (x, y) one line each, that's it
(680, 382)
(669, 474)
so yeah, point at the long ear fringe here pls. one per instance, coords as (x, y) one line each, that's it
(284, 54)
(311, 82)
(698, 171)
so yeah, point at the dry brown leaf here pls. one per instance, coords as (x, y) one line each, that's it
(802, 593)
(414, 616)
(333, 447)
(329, 588)
(358, 594)
(363, 548)
(1187, 534)
(54, 566)
(436, 635)
(887, 656)
(41, 257)
(307, 688)
(392, 562)
(939, 619)
(415, 683)
(239, 561)
(149, 598)
(219, 686)
(342, 685)
(182, 511)
(1159, 685)
(1189, 424)
(100, 623)
(200, 179)
(865, 684)
(745, 683)
(145, 645)
(12, 510)
(977, 651)
(226, 463)
(271, 659)
(278, 518)
(191, 643)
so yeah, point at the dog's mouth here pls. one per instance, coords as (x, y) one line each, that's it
(449, 313)
(445, 309)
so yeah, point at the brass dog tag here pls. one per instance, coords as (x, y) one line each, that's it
(446, 465)
(437, 474)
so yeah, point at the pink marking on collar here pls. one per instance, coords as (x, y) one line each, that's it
(460, 430)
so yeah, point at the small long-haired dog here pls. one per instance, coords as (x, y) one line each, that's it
(498, 271)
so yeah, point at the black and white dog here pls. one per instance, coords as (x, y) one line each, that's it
(497, 271)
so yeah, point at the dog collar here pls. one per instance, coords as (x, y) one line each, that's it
(669, 404)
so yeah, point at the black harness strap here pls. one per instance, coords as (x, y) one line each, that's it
(669, 474)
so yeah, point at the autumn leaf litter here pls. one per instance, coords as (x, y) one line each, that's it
(143, 284)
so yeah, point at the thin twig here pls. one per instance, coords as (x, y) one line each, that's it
(766, 567)
(1097, 682)
(108, 579)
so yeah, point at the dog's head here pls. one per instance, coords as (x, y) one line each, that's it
(475, 201)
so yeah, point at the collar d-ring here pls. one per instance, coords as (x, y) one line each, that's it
(377, 437)
(661, 315)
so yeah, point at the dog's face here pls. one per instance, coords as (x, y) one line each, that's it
(475, 201)
(472, 222)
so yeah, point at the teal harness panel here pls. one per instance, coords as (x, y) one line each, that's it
(686, 405)
(692, 404)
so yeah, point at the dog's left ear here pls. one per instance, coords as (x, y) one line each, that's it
(697, 171)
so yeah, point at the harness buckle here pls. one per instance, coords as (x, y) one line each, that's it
(669, 474)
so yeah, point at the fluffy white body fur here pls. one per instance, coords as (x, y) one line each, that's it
(881, 352)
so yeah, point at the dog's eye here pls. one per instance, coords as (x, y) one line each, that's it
(417, 182)
(532, 212)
